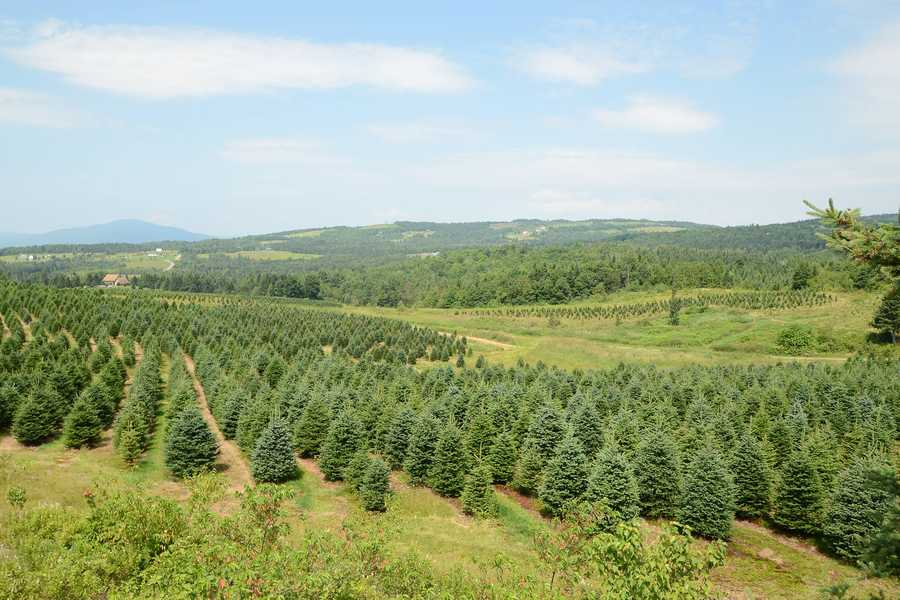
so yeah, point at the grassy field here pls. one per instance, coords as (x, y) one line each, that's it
(267, 255)
(716, 335)
(127, 262)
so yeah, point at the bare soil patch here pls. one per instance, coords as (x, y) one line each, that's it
(10, 444)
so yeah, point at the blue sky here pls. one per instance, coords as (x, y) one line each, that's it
(235, 117)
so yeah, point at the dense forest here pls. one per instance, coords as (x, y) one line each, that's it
(506, 275)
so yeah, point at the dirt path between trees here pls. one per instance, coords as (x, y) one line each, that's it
(312, 467)
(472, 338)
(236, 469)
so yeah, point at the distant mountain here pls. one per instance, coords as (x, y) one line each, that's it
(126, 231)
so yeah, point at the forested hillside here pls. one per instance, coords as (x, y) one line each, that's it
(415, 263)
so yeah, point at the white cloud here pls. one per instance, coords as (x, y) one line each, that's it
(577, 65)
(281, 151)
(24, 107)
(871, 73)
(656, 115)
(417, 132)
(706, 41)
(160, 62)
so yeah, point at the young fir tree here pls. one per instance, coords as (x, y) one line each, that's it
(478, 495)
(588, 427)
(887, 317)
(502, 458)
(9, 402)
(130, 443)
(798, 504)
(883, 552)
(375, 486)
(625, 433)
(479, 436)
(341, 443)
(752, 479)
(356, 469)
(253, 421)
(273, 457)
(311, 429)
(612, 482)
(546, 432)
(707, 497)
(658, 475)
(420, 452)
(565, 477)
(397, 439)
(856, 509)
(448, 471)
(229, 414)
(190, 445)
(35, 422)
(529, 471)
(104, 400)
(82, 426)
(781, 441)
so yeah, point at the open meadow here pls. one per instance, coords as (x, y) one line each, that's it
(710, 335)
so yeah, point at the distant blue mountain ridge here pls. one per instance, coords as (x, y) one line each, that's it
(124, 231)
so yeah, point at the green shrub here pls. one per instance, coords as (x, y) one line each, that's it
(796, 340)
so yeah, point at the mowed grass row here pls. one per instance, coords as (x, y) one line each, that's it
(715, 335)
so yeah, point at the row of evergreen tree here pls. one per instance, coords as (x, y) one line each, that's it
(796, 445)
(747, 300)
